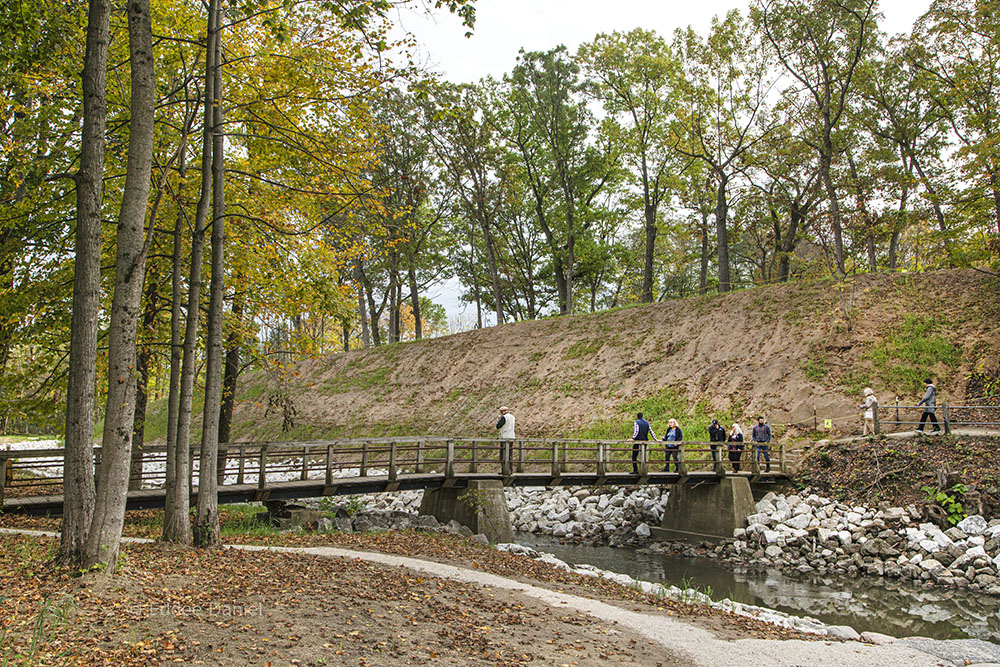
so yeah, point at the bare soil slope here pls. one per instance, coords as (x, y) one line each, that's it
(782, 351)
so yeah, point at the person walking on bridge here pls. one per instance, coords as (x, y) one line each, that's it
(716, 434)
(762, 440)
(640, 433)
(735, 446)
(929, 401)
(505, 430)
(672, 450)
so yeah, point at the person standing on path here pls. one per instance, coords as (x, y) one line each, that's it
(869, 405)
(640, 433)
(762, 438)
(929, 401)
(672, 449)
(735, 446)
(505, 430)
(716, 434)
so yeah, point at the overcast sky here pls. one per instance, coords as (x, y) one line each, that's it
(505, 26)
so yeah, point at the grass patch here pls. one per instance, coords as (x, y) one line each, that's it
(366, 379)
(583, 348)
(694, 419)
(814, 368)
(911, 351)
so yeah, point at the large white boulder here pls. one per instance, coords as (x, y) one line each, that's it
(973, 525)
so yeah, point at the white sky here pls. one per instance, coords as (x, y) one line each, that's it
(505, 26)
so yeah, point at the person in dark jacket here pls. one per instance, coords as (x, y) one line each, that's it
(929, 401)
(716, 434)
(640, 433)
(762, 438)
(735, 446)
(673, 439)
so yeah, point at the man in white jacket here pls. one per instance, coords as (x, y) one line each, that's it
(505, 430)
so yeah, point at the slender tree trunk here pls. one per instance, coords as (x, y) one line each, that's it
(112, 486)
(78, 467)
(650, 214)
(825, 158)
(142, 386)
(418, 330)
(703, 266)
(366, 340)
(234, 348)
(722, 232)
(176, 350)
(177, 507)
(206, 528)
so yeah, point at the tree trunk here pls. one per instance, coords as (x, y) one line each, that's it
(176, 351)
(112, 486)
(234, 347)
(142, 386)
(647, 264)
(206, 528)
(78, 466)
(825, 157)
(366, 340)
(722, 233)
(703, 266)
(177, 506)
(418, 330)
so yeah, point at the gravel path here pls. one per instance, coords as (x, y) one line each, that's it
(682, 639)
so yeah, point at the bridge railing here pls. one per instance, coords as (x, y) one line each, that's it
(39, 472)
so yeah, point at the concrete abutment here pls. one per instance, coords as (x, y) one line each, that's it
(481, 506)
(706, 512)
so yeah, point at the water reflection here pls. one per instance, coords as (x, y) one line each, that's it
(900, 609)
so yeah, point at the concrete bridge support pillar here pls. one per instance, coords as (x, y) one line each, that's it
(482, 507)
(706, 512)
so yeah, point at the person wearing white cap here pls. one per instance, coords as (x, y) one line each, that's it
(869, 405)
(505, 430)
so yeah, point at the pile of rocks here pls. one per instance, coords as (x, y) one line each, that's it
(615, 514)
(814, 534)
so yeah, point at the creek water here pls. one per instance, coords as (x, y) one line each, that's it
(895, 608)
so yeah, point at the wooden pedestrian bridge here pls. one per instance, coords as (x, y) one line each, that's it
(32, 479)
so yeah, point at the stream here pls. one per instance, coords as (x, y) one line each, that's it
(899, 609)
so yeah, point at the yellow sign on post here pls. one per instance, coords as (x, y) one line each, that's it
(828, 424)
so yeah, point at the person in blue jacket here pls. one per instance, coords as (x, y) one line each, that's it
(673, 439)
(640, 433)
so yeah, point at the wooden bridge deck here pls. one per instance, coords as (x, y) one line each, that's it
(31, 480)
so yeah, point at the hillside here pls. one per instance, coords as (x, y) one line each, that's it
(782, 351)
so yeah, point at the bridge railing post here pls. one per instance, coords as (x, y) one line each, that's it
(305, 463)
(755, 459)
(875, 423)
(328, 477)
(4, 464)
(392, 461)
(564, 466)
(782, 461)
(556, 469)
(643, 458)
(520, 455)
(363, 472)
(945, 417)
(682, 468)
(418, 467)
(474, 464)
(241, 470)
(261, 467)
(449, 461)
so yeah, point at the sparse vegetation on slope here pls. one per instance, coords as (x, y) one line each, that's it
(783, 351)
